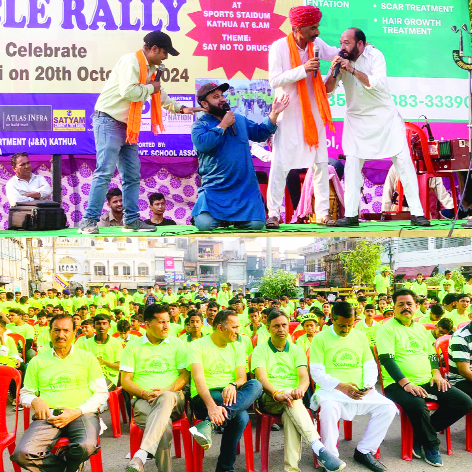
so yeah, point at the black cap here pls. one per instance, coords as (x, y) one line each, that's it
(204, 90)
(161, 40)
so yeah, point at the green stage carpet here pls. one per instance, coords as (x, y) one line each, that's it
(438, 228)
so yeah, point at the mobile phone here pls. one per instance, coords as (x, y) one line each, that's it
(57, 412)
(364, 389)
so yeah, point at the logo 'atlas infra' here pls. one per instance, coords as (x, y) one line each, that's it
(25, 118)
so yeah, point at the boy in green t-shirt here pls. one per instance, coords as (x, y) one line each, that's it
(106, 349)
(281, 367)
(220, 390)
(410, 371)
(368, 325)
(194, 322)
(18, 326)
(309, 323)
(153, 372)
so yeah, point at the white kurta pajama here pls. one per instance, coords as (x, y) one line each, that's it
(290, 149)
(335, 405)
(374, 129)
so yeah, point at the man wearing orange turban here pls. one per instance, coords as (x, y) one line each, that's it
(300, 140)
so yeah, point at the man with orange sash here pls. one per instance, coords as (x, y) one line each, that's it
(116, 126)
(300, 140)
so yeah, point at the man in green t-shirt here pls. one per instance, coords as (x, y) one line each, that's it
(345, 373)
(153, 372)
(447, 280)
(461, 313)
(281, 367)
(410, 372)
(220, 391)
(382, 280)
(106, 349)
(65, 388)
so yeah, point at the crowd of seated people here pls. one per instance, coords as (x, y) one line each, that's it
(212, 353)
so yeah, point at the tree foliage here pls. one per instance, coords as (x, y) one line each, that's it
(362, 261)
(276, 284)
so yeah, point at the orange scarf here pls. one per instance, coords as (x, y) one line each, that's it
(135, 109)
(310, 131)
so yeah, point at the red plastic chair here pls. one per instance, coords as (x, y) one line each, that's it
(181, 426)
(254, 340)
(198, 451)
(378, 317)
(406, 428)
(95, 460)
(117, 403)
(292, 325)
(7, 440)
(263, 427)
(429, 326)
(297, 334)
(430, 173)
(18, 338)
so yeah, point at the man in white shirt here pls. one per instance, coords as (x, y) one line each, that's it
(25, 186)
(373, 127)
(291, 150)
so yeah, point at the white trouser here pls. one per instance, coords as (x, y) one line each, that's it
(354, 180)
(381, 416)
(276, 188)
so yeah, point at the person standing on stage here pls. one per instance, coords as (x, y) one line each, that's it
(373, 127)
(117, 122)
(300, 140)
(230, 192)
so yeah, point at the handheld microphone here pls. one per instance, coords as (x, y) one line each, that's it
(428, 128)
(338, 65)
(316, 55)
(227, 108)
(159, 72)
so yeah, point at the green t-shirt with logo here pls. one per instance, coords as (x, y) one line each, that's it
(219, 364)
(153, 365)
(281, 366)
(343, 357)
(410, 347)
(63, 382)
(26, 330)
(369, 331)
(110, 351)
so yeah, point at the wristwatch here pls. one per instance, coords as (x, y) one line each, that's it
(234, 385)
(181, 110)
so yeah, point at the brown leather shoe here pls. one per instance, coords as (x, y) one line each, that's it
(272, 223)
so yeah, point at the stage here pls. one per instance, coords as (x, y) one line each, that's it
(391, 229)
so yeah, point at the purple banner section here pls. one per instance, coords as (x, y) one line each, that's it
(62, 124)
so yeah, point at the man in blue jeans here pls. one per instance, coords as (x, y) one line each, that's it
(110, 127)
(230, 191)
(220, 391)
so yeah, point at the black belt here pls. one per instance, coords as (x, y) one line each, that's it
(102, 113)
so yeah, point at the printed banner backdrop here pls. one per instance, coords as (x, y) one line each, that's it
(55, 56)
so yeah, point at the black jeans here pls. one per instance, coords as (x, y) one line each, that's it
(465, 386)
(453, 405)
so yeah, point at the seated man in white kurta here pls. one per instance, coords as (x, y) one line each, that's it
(345, 373)
(373, 127)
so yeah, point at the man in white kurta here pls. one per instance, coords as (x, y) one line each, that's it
(290, 150)
(373, 127)
(345, 373)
